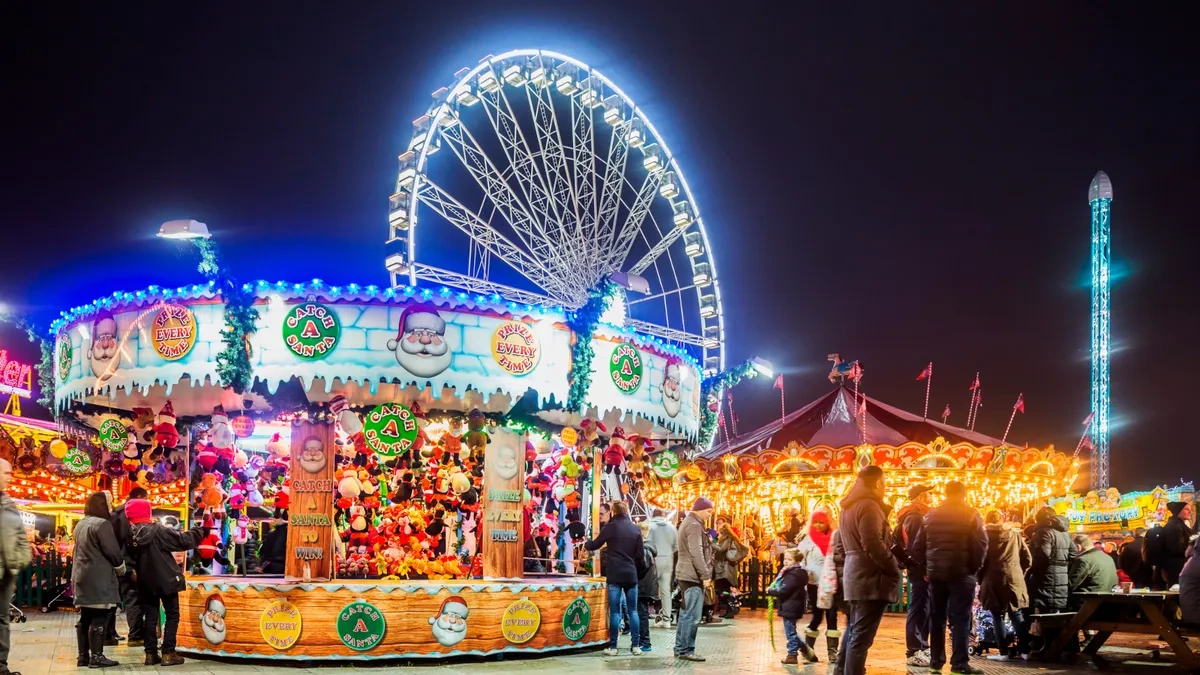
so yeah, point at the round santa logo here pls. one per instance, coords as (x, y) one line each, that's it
(77, 461)
(576, 619)
(361, 626)
(212, 621)
(515, 348)
(420, 344)
(65, 354)
(280, 624)
(672, 391)
(625, 368)
(311, 330)
(390, 429)
(665, 464)
(105, 353)
(450, 625)
(113, 435)
(312, 455)
(520, 621)
(173, 332)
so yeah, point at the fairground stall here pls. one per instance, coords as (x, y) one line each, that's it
(1112, 514)
(809, 458)
(437, 447)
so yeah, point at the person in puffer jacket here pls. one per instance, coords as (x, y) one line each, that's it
(813, 548)
(1048, 579)
(790, 590)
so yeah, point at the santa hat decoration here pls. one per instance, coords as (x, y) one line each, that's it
(219, 414)
(167, 413)
(454, 605)
(165, 433)
(215, 604)
(618, 433)
(418, 317)
(208, 521)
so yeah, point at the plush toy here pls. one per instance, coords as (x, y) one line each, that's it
(220, 434)
(280, 452)
(210, 546)
(143, 425)
(283, 498)
(567, 466)
(237, 498)
(253, 467)
(401, 487)
(348, 420)
(165, 433)
(131, 457)
(350, 486)
(211, 494)
(206, 456)
(253, 496)
(241, 533)
(239, 460)
(591, 429)
(477, 438)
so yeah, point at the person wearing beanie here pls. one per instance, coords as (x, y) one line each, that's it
(159, 578)
(129, 596)
(1177, 537)
(694, 572)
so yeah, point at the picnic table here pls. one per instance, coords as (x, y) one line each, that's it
(1152, 613)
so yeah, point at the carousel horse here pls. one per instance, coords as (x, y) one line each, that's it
(842, 370)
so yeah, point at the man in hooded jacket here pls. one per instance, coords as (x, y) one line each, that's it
(916, 625)
(665, 539)
(1048, 579)
(871, 575)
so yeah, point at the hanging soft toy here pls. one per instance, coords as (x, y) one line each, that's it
(422, 446)
(401, 487)
(590, 430)
(253, 467)
(370, 492)
(210, 546)
(455, 448)
(241, 533)
(283, 498)
(477, 439)
(206, 455)
(210, 492)
(131, 457)
(614, 458)
(220, 434)
(350, 486)
(637, 464)
(166, 435)
(237, 499)
(351, 425)
(253, 496)
(239, 460)
(143, 425)
(280, 452)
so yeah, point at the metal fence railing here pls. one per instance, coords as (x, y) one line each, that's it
(43, 580)
(755, 575)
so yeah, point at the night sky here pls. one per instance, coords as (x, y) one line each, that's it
(898, 186)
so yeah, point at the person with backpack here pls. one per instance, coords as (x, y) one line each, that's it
(916, 623)
(791, 595)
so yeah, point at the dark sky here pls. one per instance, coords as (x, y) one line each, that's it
(894, 184)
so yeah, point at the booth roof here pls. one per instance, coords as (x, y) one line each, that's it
(831, 421)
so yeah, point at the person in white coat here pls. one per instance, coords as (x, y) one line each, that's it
(665, 539)
(813, 548)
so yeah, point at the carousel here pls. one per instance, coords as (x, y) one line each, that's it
(809, 458)
(438, 446)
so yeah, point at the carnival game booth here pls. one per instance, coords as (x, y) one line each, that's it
(809, 459)
(1112, 514)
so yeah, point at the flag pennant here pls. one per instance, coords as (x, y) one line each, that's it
(1087, 443)
(946, 413)
(1088, 420)
(925, 373)
(975, 384)
(779, 382)
(720, 420)
(1020, 403)
(862, 407)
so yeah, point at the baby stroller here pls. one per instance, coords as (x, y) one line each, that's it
(15, 615)
(982, 636)
(64, 596)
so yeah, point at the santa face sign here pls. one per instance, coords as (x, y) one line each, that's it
(312, 455)
(420, 345)
(450, 626)
(105, 352)
(212, 621)
(672, 392)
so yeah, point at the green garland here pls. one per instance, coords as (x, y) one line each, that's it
(716, 385)
(583, 323)
(233, 361)
(771, 619)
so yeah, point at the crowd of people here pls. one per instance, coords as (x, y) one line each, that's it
(854, 568)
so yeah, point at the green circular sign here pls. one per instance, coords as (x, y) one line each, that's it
(625, 368)
(665, 464)
(65, 352)
(361, 626)
(77, 461)
(576, 619)
(113, 435)
(311, 330)
(390, 429)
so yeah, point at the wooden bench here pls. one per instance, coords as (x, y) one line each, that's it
(1143, 613)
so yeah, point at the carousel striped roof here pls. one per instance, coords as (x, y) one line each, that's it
(830, 421)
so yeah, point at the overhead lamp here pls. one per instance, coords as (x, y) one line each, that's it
(408, 169)
(762, 366)
(183, 229)
(652, 158)
(630, 282)
(669, 186)
(514, 75)
(613, 110)
(683, 214)
(693, 245)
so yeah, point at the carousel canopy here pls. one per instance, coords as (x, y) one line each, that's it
(831, 421)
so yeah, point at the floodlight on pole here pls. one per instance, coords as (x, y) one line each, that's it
(183, 229)
(762, 366)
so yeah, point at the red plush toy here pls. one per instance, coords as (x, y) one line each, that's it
(165, 434)
(210, 545)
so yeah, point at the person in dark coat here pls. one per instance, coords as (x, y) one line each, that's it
(129, 596)
(274, 550)
(790, 590)
(872, 575)
(950, 547)
(1129, 560)
(1002, 588)
(1189, 587)
(159, 578)
(1051, 552)
(647, 589)
(1092, 571)
(98, 562)
(1177, 537)
(916, 624)
(626, 551)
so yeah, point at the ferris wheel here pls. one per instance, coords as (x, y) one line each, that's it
(545, 166)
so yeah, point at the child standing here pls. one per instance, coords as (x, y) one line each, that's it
(790, 590)
(159, 578)
(647, 587)
(813, 549)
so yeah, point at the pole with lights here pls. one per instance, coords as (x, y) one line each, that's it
(1100, 196)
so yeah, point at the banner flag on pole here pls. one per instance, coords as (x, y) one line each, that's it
(925, 373)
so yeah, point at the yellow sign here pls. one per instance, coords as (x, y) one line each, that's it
(569, 437)
(280, 624)
(173, 332)
(515, 348)
(520, 621)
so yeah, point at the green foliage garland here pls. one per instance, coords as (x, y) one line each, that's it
(715, 386)
(582, 323)
(771, 619)
(233, 361)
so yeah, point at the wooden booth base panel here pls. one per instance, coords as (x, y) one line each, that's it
(233, 617)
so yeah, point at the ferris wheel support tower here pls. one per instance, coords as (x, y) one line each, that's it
(1100, 196)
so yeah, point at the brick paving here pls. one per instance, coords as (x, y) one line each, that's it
(46, 645)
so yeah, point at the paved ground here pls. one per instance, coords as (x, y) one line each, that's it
(46, 645)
